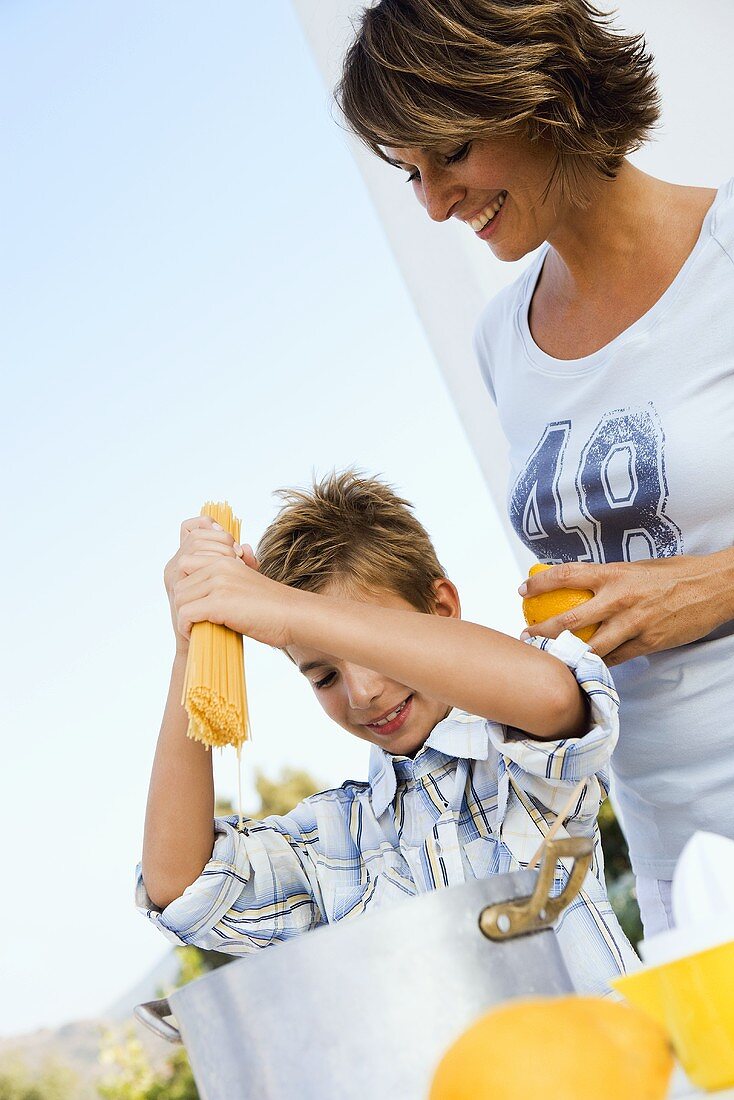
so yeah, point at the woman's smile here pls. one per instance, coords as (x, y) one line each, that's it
(454, 189)
(480, 221)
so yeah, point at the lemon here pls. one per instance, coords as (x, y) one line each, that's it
(560, 1048)
(537, 609)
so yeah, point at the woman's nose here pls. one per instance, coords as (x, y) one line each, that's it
(439, 197)
(364, 687)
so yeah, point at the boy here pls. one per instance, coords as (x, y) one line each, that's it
(477, 738)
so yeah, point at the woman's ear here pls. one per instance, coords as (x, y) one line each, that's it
(448, 603)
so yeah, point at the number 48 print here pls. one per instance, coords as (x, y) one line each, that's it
(621, 492)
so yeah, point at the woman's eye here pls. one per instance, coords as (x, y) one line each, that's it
(329, 679)
(460, 153)
(450, 158)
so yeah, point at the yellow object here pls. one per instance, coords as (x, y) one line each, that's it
(537, 609)
(214, 691)
(574, 1048)
(693, 998)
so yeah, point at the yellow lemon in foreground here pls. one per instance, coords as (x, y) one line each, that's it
(560, 1048)
(537, 609)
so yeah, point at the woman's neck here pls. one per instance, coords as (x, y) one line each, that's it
(609, 263)
(634, 223)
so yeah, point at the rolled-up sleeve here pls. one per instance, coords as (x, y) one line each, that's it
(258, 887)
(545, 771)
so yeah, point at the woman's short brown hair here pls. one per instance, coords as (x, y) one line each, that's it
(354, 532)
(423, 73)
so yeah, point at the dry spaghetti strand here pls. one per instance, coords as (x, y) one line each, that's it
(214, 691)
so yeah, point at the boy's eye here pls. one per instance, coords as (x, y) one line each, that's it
(328, 679)
(450, 158)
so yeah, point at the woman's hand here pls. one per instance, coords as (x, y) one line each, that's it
(642, 607)
(200, 538)
(227, 588)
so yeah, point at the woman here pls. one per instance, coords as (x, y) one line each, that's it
(610, 360)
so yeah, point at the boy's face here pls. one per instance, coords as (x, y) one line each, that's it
(366, 703)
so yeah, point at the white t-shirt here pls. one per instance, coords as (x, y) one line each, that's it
(629, 454)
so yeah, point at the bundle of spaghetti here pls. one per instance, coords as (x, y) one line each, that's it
(214, 691)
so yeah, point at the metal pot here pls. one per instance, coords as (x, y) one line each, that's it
(365, 1010)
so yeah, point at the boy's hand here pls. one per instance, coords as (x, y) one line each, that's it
(201, 538)
(225, 587)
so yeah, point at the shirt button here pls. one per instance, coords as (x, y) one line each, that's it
(437, 848)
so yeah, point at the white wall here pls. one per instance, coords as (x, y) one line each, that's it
(450, 277)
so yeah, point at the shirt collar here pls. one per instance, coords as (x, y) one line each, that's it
(460, 735)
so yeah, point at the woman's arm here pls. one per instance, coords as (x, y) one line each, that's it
(643, 607)
(462, 664)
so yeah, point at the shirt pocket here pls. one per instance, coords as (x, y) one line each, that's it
(389, 886)
(396, 884)
(484, 856)
(348, 900)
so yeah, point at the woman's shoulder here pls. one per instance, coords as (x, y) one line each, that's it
(722, 224)
(496, 323)
(503, 304)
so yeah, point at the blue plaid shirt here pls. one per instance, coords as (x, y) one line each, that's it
(476, 800)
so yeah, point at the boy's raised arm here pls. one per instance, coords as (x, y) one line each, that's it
(463, 664)
(469, 666)
(179, 820)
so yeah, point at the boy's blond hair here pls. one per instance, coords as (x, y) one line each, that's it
(354, 532)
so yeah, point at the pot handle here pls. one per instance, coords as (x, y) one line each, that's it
(151, 1014)
(506, 919)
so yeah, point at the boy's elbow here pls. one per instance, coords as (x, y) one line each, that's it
(163, 889)
(161, 899)
(156, 890)
(569, 712)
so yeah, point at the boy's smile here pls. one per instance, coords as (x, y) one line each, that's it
(367, 704)
(393, 720)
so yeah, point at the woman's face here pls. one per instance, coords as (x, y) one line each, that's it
(494, 185)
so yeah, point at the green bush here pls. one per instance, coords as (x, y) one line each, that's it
(131, 1076)
(619, 876)
(53, 1083)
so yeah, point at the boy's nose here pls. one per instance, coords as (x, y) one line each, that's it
(363, 686)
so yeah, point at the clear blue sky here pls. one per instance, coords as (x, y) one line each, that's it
(197, 301)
